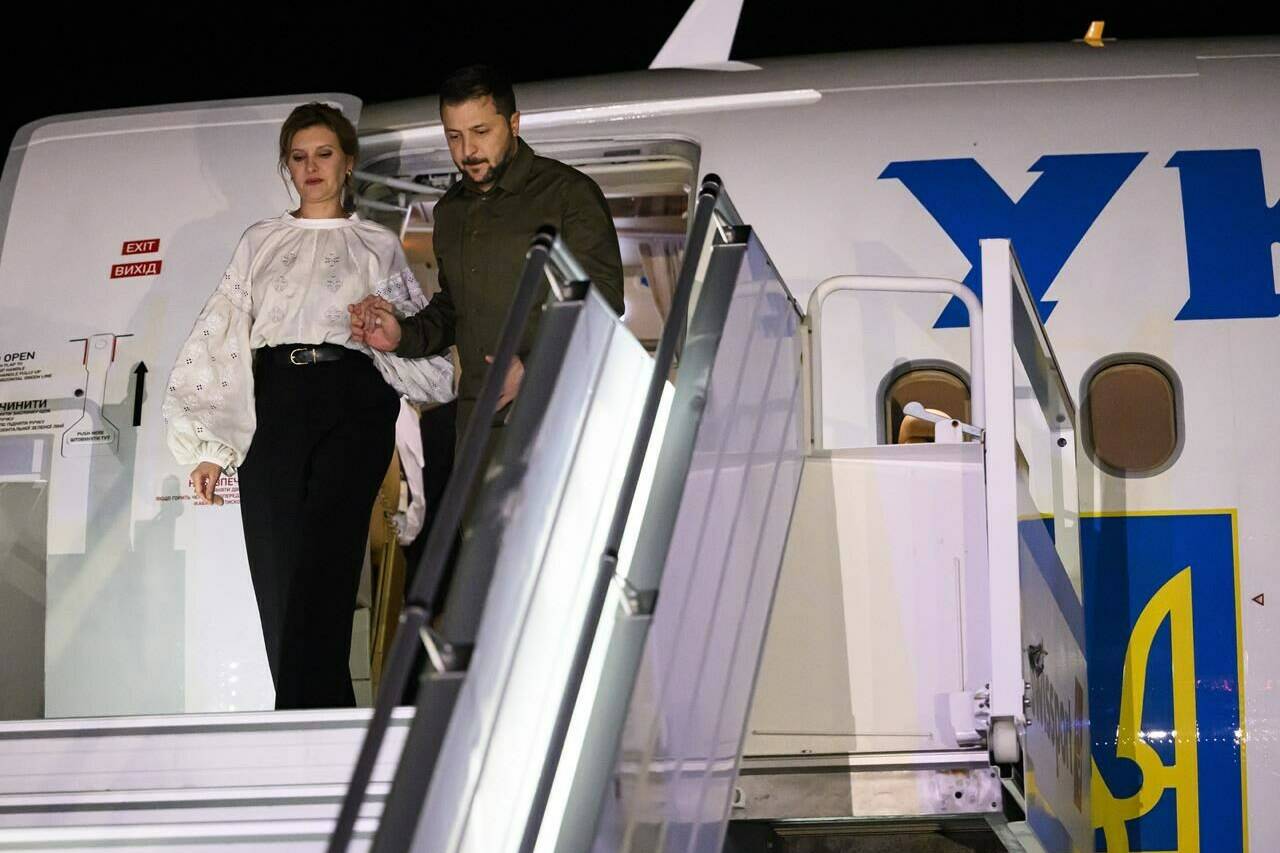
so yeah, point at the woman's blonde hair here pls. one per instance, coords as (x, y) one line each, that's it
(317, 114)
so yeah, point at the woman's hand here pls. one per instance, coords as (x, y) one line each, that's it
(373, 322)
(205, 479)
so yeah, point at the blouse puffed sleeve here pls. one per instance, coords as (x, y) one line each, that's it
(422, 380)
(208, 402)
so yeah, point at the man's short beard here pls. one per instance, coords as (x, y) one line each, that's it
(495, 172)
(486, 178)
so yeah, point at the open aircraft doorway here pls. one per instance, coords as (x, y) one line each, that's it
(648, 183)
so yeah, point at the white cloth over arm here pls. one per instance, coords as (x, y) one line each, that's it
(412, 458)
(208, 400)
(422, 380)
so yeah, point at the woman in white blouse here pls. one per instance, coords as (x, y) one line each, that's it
(269, 383)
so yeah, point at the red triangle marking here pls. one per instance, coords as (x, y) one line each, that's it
(1260, 598)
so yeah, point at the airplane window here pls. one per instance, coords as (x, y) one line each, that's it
(1131, 416)
(937, 387)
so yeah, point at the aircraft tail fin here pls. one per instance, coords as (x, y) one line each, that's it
(703, 38)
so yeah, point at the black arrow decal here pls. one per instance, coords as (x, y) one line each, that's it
(139, 381)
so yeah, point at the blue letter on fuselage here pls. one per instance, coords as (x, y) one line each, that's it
(1230, 230)
(1046, 224)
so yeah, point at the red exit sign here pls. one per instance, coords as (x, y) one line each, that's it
(135, 269)
(140, 247)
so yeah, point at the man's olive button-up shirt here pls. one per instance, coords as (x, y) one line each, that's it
(480, 242)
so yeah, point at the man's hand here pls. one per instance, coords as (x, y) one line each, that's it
(511, 387)
(373, 322)
(205, 479)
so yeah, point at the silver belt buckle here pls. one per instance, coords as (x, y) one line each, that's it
(294, 352)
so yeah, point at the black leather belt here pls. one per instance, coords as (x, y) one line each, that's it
(302, 354)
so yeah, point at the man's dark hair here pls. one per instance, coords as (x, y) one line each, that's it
(479, 81)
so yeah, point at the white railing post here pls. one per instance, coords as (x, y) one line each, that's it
(1007, 688)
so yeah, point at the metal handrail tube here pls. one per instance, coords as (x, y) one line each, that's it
(709, 196)
(396, 183)
(896, 284)
(386, 207)
(565, 264)
(1030, 315)
(724, 205)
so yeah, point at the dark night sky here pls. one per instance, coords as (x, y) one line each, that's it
(106, 59)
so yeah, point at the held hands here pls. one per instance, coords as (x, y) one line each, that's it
(373, 322)
(511, 387)
(205, 479)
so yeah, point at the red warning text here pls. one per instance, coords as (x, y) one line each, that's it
(140, 247)
(136, 269)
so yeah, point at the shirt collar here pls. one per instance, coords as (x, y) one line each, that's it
(297, 222)
(516, 174)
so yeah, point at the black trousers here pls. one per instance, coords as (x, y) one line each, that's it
(324, 439)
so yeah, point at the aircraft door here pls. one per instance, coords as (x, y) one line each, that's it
(117, 228)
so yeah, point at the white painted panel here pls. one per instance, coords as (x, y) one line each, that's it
(881, 606)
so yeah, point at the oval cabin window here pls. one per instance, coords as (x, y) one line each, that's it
(1131, 418)
(932, 387)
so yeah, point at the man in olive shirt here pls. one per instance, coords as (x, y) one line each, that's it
(483, 226)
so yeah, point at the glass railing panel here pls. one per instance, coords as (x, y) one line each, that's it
(740, 386)
(541, 520)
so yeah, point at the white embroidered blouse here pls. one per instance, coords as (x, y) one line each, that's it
(290, 281)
